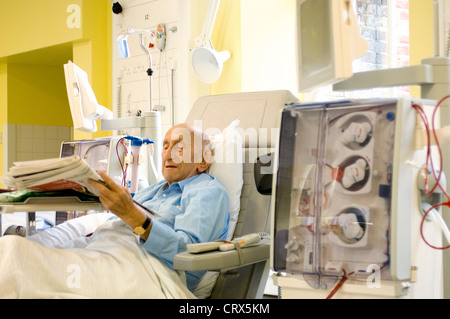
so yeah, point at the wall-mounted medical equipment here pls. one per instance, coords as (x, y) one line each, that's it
(206, 61)
(158, 36)
(161, 37)
(81, 97)
(328, 41)
(343, 191)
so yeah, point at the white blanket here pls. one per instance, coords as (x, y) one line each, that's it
(111, 264)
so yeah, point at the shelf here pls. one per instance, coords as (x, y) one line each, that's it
(34, 204)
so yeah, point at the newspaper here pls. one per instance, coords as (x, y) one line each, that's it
(52, 175)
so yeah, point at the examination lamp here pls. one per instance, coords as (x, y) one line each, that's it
(206, 61)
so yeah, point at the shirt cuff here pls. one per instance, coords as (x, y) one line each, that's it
(156, 238)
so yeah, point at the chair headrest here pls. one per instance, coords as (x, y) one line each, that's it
(259, 114)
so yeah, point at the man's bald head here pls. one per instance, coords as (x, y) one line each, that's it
(184, 150)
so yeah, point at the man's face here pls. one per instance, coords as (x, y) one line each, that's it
(178, 155)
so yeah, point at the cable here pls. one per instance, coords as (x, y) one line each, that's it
(124, 170)
(423, 220)
(429, 158)
(159, 76)
(339, 285)
(430, 166)
(423, 116)
(438, 146)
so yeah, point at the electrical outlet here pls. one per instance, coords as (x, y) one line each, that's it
(160, 108)
(172, 63)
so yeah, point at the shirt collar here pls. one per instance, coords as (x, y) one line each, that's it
(182, 183)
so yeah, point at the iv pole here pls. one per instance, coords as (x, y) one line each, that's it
(149, 71)
(149, 122)
(433, 76)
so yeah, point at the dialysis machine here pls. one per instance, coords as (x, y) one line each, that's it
(344, 196)
(354, 179)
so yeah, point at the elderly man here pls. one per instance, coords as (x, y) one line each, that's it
(188, 206)
(191, 206)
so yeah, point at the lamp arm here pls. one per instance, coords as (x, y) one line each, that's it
(205, 38)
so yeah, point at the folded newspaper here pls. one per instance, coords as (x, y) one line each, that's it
(52, 175)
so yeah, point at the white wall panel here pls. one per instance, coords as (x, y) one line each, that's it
(173, 82)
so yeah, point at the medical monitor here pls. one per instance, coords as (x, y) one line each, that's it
(328, 40)
(83, 103)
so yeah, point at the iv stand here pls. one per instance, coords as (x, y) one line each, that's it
(149, 72)
(433, 76)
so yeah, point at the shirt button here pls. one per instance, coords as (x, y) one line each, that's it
(164, 195)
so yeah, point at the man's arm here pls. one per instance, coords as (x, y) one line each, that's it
(118, 200)
(203, 217)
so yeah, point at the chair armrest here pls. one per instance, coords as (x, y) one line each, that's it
(222, 260)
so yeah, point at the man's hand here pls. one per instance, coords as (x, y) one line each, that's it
(118, 200)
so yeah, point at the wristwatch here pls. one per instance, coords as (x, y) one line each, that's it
(140, 230)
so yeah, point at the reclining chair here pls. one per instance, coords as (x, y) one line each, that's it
(242, 274)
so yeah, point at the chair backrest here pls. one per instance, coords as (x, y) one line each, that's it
(259, 113)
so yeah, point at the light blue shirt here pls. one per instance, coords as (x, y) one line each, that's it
(192, 211)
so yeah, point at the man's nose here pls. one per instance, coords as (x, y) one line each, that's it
(167, 154)
(175, 155)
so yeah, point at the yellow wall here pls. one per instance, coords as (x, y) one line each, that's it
(421, 34)
(3, 109)
(30, 25)
(37, 95)
(42, 41)
(38, 37)
(94, 53)
(262, 54)
(227, 36)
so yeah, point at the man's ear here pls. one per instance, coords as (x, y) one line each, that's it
(203, 166)
(206, 161)
(208, 155)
